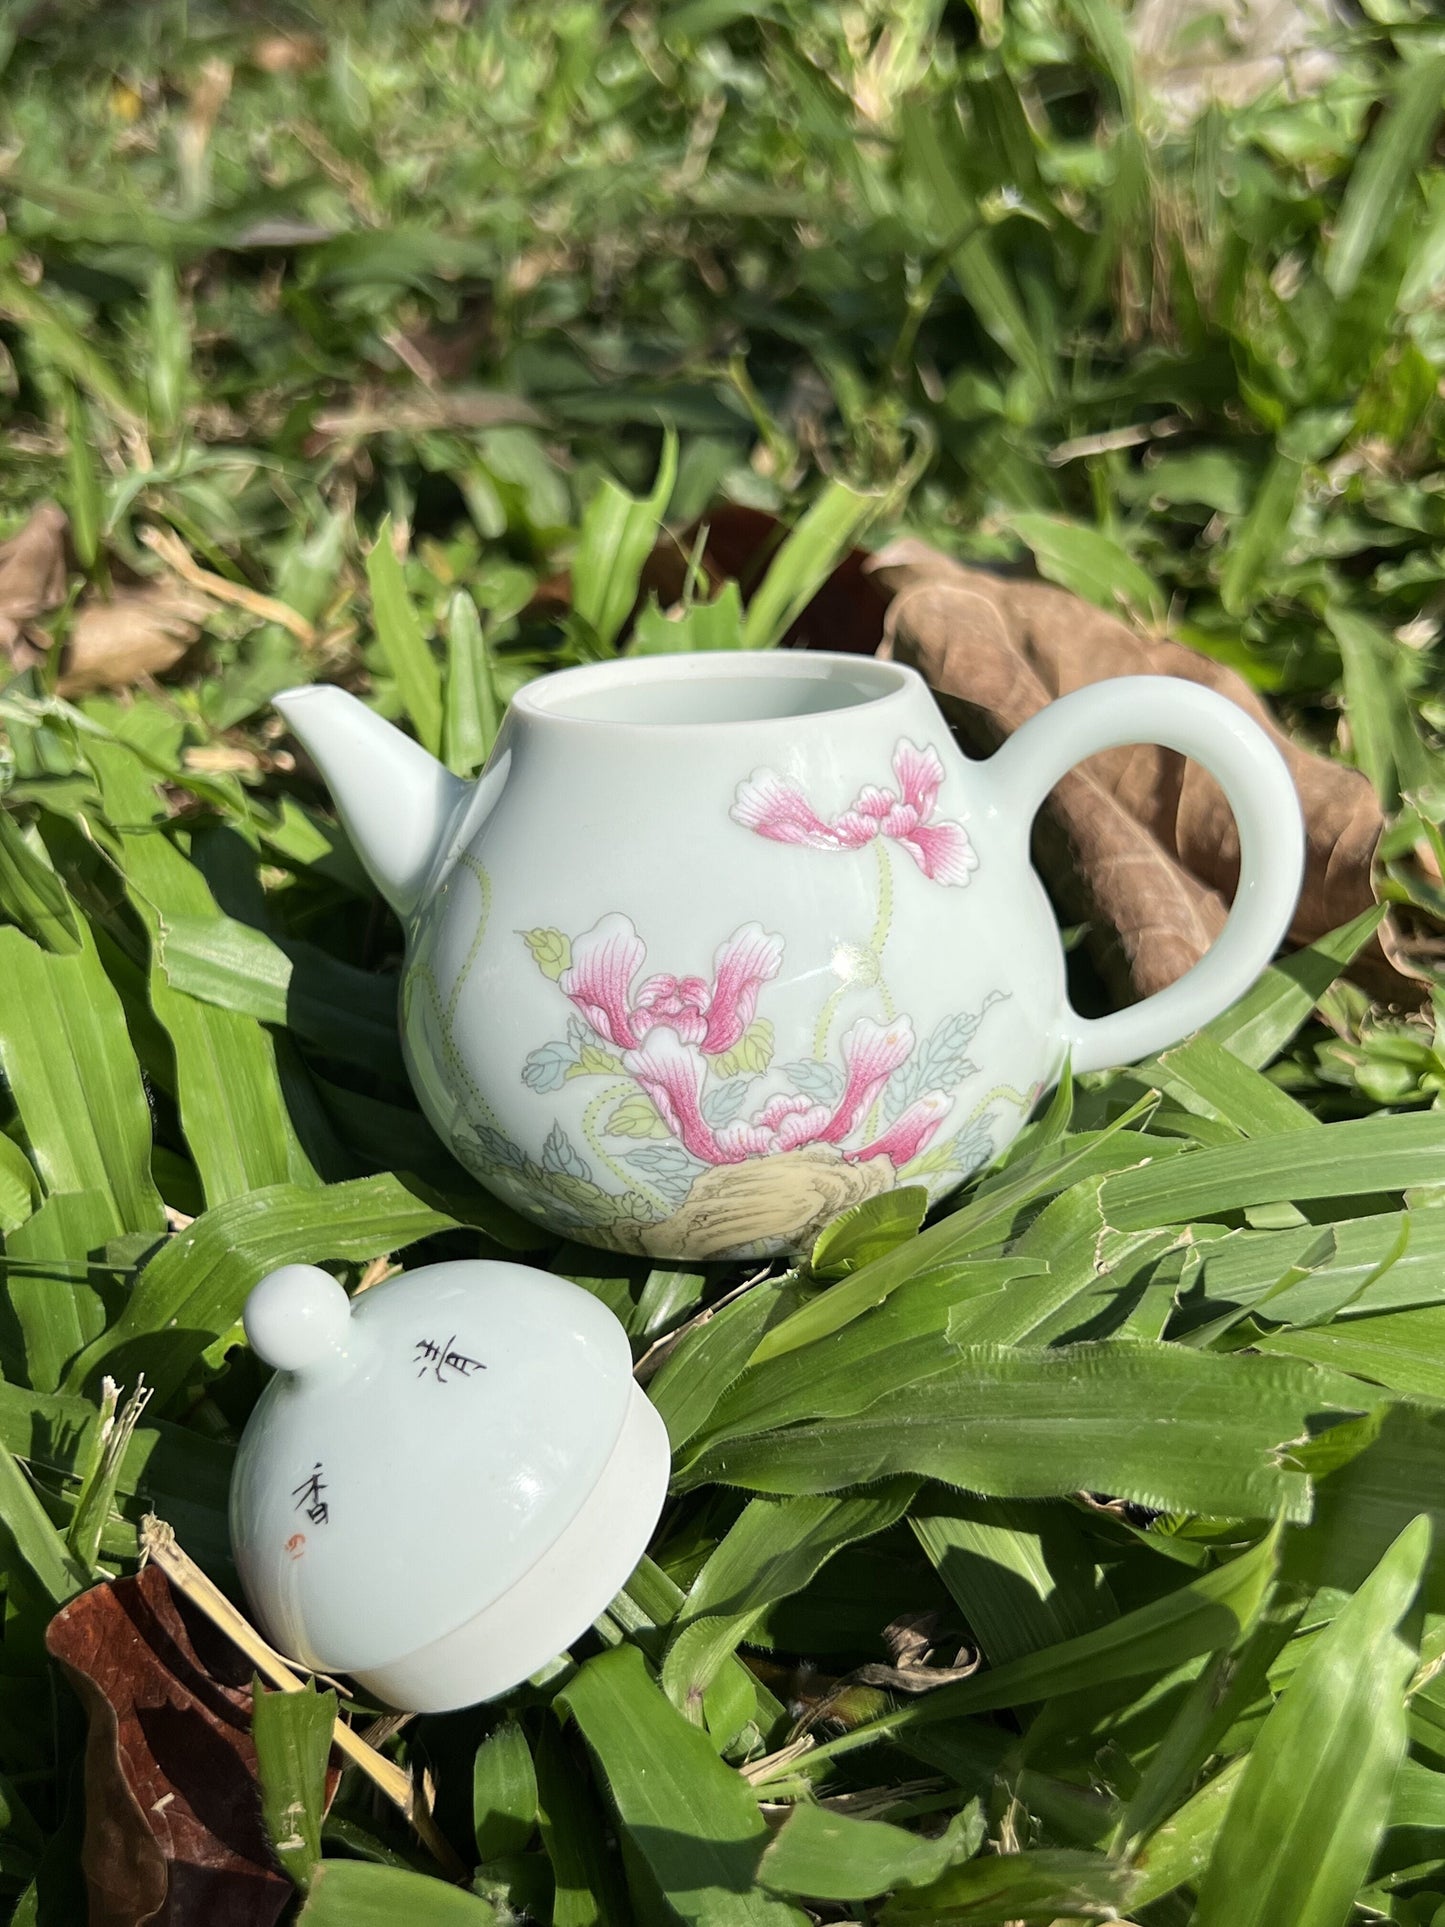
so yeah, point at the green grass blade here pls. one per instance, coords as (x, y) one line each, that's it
(1207, 1614)
(1264, 1020)
(1203, 1069)
(774, 1550)
(472, 711)
(48, 1283)
(1314, 1797)
(588, 1888)
(18, 1186)
(1090, 563)
(192, 1292)
(293, 1733)
(804, 562)
(351, 1893)
(1024, 1576)
(1167, 1427)
(402, 642)
(1261, 535)
(693, 1820)
(504, 1792)
(1042, 1884)
(28, 1536)
(89, 1132)
(1359, 1156)
(31, 895)
(828, 1856)
(618, 534)
(1382, 175)
(237, 1123)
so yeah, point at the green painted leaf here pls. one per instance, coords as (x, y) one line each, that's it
(1314, 1796)
(293, 1733)
(828, 1856)
(636, 1116)
(551, 951)
(402, 641)
(692, 1819)
(753, 1052)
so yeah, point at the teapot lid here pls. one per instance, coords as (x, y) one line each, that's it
(418, 1450)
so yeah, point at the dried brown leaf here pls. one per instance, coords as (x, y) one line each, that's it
(1139, 839)
(32, 581)
(173, 1828)
(136, 632)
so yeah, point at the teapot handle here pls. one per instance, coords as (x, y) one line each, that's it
(1256, 781)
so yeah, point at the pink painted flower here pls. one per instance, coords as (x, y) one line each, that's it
(871, 1054)
(909, 1132)
(770, 806)
(607, 958)
(783, 1124)
(672, 1073)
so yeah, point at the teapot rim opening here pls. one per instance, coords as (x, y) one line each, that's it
(711, 691)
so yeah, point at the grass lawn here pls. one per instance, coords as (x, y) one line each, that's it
(380, 345)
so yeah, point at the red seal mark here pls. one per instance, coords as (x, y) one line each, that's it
(296, 1544)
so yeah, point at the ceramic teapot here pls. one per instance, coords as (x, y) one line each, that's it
(446, 1481)
(719, 945)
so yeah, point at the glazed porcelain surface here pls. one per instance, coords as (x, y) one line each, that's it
(448, 1449)
(719, 945)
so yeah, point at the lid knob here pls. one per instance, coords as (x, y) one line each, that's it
(296, 1317)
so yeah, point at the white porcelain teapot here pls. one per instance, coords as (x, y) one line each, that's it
(447, 1480)
(719, 945)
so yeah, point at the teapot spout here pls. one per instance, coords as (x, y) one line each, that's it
(395, 800)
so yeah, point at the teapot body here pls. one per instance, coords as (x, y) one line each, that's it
(724, 945)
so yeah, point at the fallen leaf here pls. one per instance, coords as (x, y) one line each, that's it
(173, 1829)
(1138, 840)
(32, 581)
(136, 632)
(1138, 843)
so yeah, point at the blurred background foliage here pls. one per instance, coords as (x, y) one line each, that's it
(338, 335)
